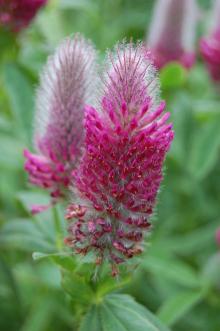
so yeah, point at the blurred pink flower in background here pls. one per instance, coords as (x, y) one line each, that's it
(210, 45)
(172, 32)
(17, 14)
(119, 175)
(65, 88)
(217, 236)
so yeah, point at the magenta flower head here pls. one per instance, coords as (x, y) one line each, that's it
(65, 88)
(119, 175)
(172, 32)
(210, 45)
(17, 14)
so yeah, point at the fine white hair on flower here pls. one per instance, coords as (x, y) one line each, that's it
(130, 76)
(67, 83)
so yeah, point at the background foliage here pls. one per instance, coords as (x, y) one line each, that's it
(178, 278)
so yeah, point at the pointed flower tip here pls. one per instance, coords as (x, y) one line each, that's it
(66, 87)
(128, 74)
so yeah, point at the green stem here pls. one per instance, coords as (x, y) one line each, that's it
(58, 227)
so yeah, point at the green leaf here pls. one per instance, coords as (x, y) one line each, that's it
(76, 5)
(182, 117)
(21, 226)
(205, 149)
(175, 270)
(77, 287)
(43, 220)
(10, 280)
(122, 313)
(206, 109)
(51, 26)
(8, 45)
(20, 94)
(193, 242)
(24, 242)
(177, 306)
(40, 316)
(63, 259)
(11, 152)
(39, 256)
(92, 321)
(29, 198)
(27, 235)
(5, 124)
(211, 270)
(172, 75)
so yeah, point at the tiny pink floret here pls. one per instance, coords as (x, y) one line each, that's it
(36, 209)
(46, 173)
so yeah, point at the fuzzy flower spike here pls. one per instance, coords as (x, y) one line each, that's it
(118, 178)
(210, 45)
(65, 87)
(172, 32)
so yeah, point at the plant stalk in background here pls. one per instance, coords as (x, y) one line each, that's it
(118, 178)
(172, 32)
(65, 88)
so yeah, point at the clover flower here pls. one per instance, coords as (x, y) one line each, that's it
(210, 45)
(119, 175)
(65, 87)
(17, 14)
(172, 32)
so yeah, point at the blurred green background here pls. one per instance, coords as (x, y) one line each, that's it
(179, 277)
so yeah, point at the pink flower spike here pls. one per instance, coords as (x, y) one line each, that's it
(120, 172)
(66, 85)
(172, 32)
(210, 45)
(15, 15)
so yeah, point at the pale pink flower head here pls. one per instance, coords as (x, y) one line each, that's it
(210, 45)
(172, 32)
(127, 138)
(66, 85)
(17, 14)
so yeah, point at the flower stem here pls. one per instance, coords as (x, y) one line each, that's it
(58, 227)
